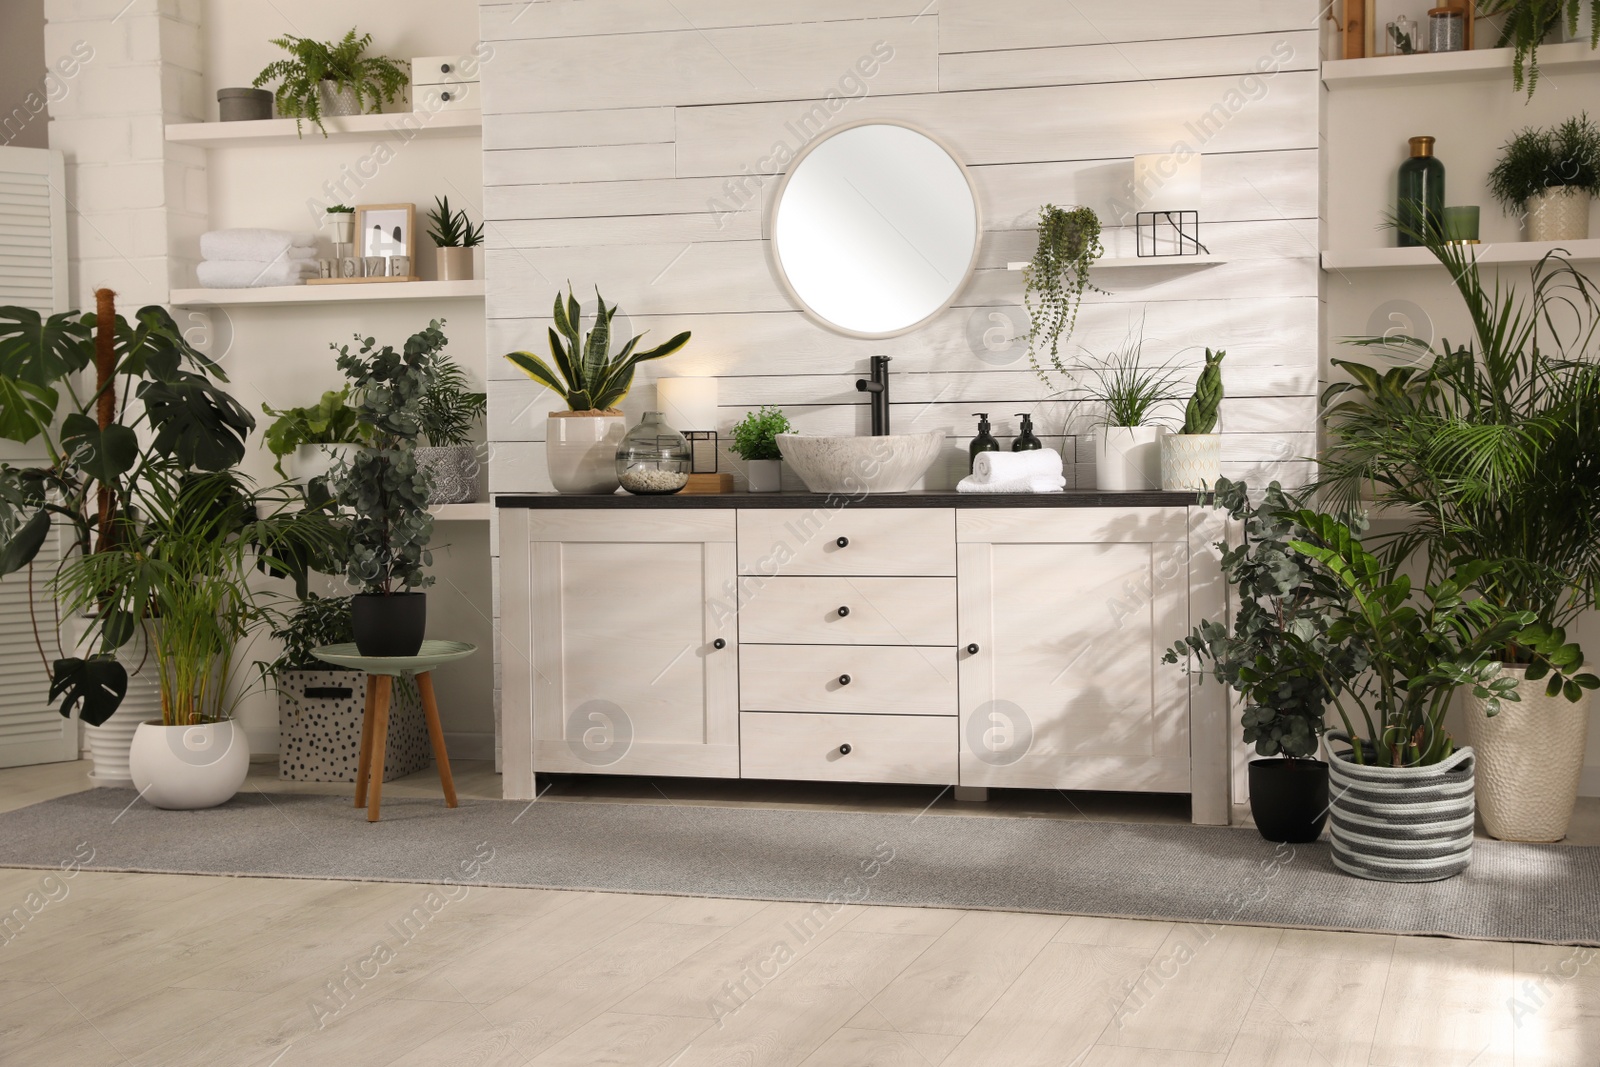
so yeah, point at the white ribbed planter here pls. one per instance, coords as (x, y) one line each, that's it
(1190, 460)
(1127, 458)
(580, 449)
(110, 741)
(1560, 213)
(186, 767)
(1401, 824)
(1530, 757)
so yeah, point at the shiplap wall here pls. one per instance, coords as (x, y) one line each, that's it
(622, 140)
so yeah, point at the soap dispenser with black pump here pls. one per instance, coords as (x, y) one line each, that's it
(1026, 441)
(984, 442)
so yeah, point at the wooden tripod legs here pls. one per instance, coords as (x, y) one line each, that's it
(375, 741)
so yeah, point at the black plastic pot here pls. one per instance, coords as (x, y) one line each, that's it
(1289, 798)
(389, 625)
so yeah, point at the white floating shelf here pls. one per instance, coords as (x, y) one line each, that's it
(462, 512)
(1142, 261)
(1481, 64)
(398, 126)
(328, 294)
(1496, 253)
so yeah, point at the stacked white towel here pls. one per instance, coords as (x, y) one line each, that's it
(1038, 471)
(248, 258)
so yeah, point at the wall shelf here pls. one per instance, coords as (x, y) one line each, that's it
(327, 294)
(403, 126)
(1495, 253)
(1194, 262)
(462, 512)
(1437, 68)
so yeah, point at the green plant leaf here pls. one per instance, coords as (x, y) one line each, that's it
(95, 685)
(25, 409)
(25, 544)
(106, 455)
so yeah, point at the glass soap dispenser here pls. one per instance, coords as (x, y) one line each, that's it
(1026, 441)
(654, 459)
(1419, 205)
(984, 442)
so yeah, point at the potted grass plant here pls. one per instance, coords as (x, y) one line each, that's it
(755, 440)
(581, 442)
(454, 237)
(316, 437)
(1551, 175)
(1489, 450)
(1131, 396)
(1192, 457)
(331, 78)
(449, 411)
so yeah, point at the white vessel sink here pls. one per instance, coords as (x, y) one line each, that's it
(893, 463)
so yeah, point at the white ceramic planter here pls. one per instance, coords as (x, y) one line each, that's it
(1530, 757)
(1127, 458)
(1190, 460)
(341, 226)
(110, 741)
(455, 473)
(338, 102)
(1560, 213)
(581, 450)
(764, 475)
(315, 461)
(454, 264)
(185, 767)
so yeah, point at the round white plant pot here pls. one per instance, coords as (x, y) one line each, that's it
(1127, 458)
(764, 475)
(581, 450)
(184, 767)
(1560, 213)
(455, 472)
(1530, 757)
(1190, 460)
(316, 461)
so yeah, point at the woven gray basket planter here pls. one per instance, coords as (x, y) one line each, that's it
(1401, 824)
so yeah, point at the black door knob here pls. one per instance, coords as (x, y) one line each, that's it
(844, 679)
(719, 643)
(444, 68)
(972, 650)
(843, 611)
(844, 749)
(843, 542)
(444, 95)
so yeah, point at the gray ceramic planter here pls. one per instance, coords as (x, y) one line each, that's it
(455, 473)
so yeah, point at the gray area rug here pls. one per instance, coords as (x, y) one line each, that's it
(1511, 892)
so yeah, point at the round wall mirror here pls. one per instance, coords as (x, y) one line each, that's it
(875, 230)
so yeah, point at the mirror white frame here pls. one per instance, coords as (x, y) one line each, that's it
(775, 217)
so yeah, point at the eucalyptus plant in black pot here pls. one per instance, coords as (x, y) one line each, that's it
(1278, 658)
(387, 494)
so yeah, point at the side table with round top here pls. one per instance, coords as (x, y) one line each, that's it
(381, 672)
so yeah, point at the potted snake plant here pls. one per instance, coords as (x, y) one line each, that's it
(1192, 457)
(581, 442)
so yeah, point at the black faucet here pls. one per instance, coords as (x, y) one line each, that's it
(879, 388)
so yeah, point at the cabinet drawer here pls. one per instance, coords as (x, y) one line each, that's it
(852, 611)
(882, 680)
(846, 540)
(434, 70)
(882, 748)
(454, 96)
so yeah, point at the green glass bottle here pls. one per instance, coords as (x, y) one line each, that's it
(984, 442)
(1419, 207)
(1026, 441)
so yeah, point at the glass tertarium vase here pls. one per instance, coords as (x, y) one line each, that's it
(654, 459)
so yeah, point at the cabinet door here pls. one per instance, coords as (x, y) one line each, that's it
(627, 675)
(1071, 614)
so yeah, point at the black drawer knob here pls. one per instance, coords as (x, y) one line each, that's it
(844, 749)
(843, 611)
(444, 68)
(843, 542)
(719, 643)
(844, 679)
(444, 95)
(972, 650)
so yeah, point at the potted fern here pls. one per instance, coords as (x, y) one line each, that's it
(1551, 175)
(1056, 279)
(454, 237)
(1192, 457)
(331, 78)
(449, 411)
(581, 442)
(755, 440)
(1525, 24)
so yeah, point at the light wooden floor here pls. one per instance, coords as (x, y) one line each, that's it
(166, 970)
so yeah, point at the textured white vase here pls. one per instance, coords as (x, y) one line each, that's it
(109, 742)
(1190, 460)
(581, 450)
(1560, 213)
(338, 102)
(764, 475)
(1127, 458)
(1530, 757)
(185, 767)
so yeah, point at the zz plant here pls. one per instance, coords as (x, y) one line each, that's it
(1056, 279)
(312, 65)
(588, 375)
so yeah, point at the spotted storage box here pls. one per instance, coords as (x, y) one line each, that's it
(319, 727)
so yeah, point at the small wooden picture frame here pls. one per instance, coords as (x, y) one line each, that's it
(386, 230)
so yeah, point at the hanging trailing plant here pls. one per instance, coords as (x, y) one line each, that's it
(1054, 282)
(1528, 22)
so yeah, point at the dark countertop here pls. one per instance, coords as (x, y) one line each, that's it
(1070, 498)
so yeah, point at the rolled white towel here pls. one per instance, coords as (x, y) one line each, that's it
(1012, 466)
(247, 245)
(1036, 484)
(239, 274)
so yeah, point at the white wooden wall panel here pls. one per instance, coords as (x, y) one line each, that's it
(982, 25)
(1131, 61)
(520, 19)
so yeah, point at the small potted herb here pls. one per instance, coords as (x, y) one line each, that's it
(755, 440)
(1551, 175)
(1054, 282)
(1127, 434)
(321, 78)
(455, 237)
(317, 437)
(340, 219)
(1192, 457)
(450, 410)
